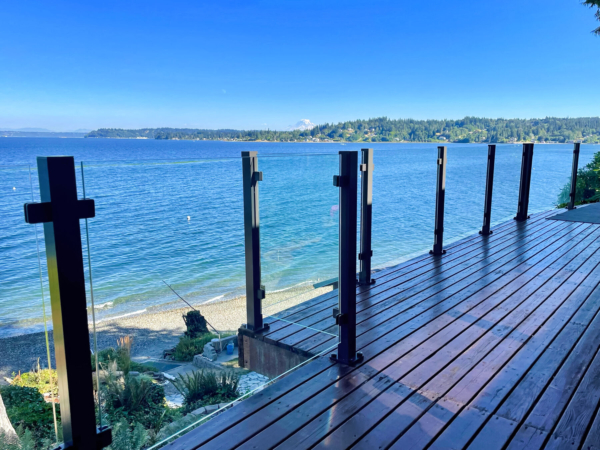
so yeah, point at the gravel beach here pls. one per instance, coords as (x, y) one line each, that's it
(151, 332)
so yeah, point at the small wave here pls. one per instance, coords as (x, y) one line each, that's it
(214, 299)
(104, 305)
(303, 283)
(121, 316)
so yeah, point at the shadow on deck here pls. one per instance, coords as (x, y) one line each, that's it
(493, 345)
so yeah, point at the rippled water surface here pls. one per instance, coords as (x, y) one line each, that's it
(171, 212)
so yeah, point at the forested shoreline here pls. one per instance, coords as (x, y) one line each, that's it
(383, 129)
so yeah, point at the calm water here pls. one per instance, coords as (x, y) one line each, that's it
(172, 211)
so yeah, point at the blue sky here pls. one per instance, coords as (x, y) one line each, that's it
(267, 64)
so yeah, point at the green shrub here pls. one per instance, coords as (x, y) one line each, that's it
(207, 388)
(588, 185)
(26, 408)
(188, 347)
(195, 324)
(137, 399)
(125, 437)
(106, 356)
(44, 380)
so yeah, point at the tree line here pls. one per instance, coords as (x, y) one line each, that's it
(383, 129)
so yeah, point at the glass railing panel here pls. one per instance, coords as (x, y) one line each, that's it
(166, 253)
(168, 241)
(551, 180)
(507, 172)
(299, 236)
(404, 180)
(28, 381)
(465, 190)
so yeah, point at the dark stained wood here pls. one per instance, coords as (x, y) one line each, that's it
(495, 345)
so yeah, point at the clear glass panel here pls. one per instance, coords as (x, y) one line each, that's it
(551, 176)
(404, 178)
(27, 367)
(168, 239)
(507, 173)
(299, 236)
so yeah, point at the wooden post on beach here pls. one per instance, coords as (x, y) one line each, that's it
(60, 212)
(573, 191)
(525, 183)
(489, 187)
(440, 198)
(345, 315)
(255, 292)
(366, 217)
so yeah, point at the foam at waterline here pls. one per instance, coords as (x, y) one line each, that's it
(121, 316)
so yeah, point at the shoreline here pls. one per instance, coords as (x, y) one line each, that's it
(152, 332)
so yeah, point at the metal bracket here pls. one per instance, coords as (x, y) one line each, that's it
(340, 319)
(360, 255)
(261, 293)
(340, 180)
(42, 212)
(258, 176)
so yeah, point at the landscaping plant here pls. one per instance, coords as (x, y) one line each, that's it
(207, 388)
(125, 437)
(188, 347)
(588, 185)
(27, 410)
(44, 380)
(137, 399)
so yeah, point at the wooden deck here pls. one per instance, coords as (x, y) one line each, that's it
(493, 345)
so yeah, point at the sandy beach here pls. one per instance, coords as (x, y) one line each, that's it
(151, 332)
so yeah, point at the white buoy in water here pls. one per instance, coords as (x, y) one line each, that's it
(14, 189)
(189, 218)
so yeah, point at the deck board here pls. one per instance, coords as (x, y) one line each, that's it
(494, 345)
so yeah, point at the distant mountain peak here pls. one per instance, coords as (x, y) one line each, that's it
(303, 125)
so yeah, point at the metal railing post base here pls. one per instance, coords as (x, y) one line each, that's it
(357, 359)
(265, 327)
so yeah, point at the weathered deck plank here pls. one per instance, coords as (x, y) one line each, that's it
(495, 344)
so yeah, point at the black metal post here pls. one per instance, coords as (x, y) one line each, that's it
(440, 197)
(366, 217)
(571, 204)
(525, 183)
(255, 292)
(60, 212)
(489, 187)
(346, 314)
